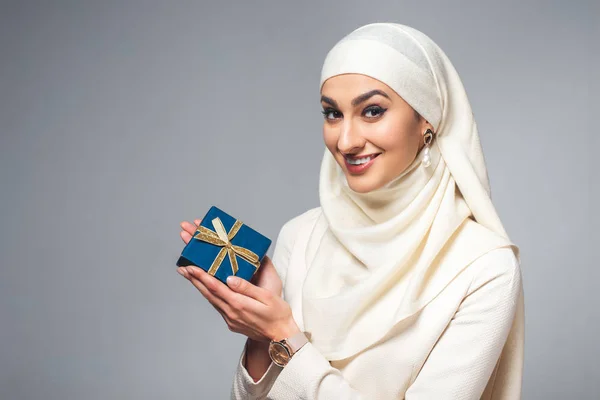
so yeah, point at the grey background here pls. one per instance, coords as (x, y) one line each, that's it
(118, 120)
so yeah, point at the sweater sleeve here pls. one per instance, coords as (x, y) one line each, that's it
(243, 386)
(458, 367)
(462, 361)
(309, 376)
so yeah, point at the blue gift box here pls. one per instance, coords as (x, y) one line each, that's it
(222, 246)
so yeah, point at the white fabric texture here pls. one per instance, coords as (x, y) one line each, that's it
(449, 350)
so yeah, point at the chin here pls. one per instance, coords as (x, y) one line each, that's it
(362, 184)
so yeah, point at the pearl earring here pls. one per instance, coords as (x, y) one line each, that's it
(428, 137)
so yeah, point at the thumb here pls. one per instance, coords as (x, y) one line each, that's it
(244, 287)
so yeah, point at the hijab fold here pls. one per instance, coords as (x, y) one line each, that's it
(386, 254)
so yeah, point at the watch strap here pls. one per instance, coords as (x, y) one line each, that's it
(296, 341)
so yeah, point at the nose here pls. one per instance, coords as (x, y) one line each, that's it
(350, 141)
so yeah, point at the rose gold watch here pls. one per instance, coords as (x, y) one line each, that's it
(282, 351)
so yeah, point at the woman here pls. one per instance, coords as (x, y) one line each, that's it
(403, 282)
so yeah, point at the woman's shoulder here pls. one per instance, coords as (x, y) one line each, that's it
(305, 218)
(294, 225)
(498, 269)
(288, 235)
(495, 253)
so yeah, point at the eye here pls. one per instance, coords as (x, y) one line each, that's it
(331, 113)
(374, 111)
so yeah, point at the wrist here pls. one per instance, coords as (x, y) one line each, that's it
(286, 330)
(282, 351)
(257, 344)
(257, 359)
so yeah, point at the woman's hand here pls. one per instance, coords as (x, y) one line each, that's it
(254, 309)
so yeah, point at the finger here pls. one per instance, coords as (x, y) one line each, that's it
(216, 302)
(185, 236)
(210, 282)
(197, 221)
(229, 302)
(188, 227)
(217, 288)
(183, 272)
(226, 312)
(242, 286)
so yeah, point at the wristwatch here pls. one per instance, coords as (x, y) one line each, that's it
(281, 351)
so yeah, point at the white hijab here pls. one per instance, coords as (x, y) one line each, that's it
(384, 255)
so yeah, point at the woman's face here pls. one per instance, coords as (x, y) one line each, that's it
(373, 134)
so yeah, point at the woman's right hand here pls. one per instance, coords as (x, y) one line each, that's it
(266, 277)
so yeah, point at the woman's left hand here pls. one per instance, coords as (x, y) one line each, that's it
(247, 309)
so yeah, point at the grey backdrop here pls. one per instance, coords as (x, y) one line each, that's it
(120, 119)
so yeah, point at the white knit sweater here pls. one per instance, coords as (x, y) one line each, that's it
(449, 350)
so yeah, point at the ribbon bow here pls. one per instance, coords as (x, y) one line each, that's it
(220, 237)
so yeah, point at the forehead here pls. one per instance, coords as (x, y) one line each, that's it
(351, 85)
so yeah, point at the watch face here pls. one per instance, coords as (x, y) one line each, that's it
(279, 354)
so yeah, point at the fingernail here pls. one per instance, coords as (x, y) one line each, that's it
(180, 271)
(233, 281)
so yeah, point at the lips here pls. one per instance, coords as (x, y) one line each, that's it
(360, 168)
(361, 156)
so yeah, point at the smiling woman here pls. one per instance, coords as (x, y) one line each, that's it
(371, 131)
(403, 283)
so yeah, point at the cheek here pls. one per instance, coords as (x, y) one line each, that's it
(393, 136)
(400, 143)
(330, 138)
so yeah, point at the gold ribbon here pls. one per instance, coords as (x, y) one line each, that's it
(220, 237)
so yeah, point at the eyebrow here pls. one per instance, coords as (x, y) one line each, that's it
(357, 100)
